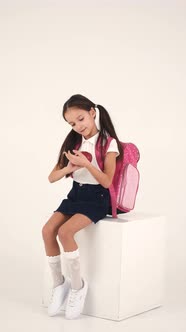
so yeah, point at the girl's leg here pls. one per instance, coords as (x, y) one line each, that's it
(67, 231)
(52, 249)
(50, 231)
(71, 252)
(77, 294)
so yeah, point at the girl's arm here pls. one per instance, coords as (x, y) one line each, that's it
(103, 177)
(58, 173)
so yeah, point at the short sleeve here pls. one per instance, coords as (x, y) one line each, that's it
(113, 147)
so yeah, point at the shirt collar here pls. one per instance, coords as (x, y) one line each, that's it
(91, 140)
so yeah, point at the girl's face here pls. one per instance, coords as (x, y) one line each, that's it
(82, 121)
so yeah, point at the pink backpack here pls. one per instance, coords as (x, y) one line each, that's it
(125, 182)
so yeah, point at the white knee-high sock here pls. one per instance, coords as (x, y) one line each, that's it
(55, 265)
(73, 265)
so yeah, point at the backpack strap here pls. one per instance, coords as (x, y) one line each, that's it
(113, 201)
(98, 148)
(111, 188)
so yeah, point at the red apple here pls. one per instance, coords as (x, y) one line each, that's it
(87, 155)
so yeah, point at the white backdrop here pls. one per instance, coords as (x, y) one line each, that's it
(128, 56)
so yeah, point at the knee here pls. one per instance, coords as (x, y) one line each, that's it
(64, 233)
(47, 233)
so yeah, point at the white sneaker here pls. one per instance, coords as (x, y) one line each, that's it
(58, 297)
(75, 301)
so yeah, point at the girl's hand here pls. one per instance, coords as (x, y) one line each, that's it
(72, 168)
(78, 159)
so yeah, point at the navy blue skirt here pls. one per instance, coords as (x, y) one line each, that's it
(91, 200)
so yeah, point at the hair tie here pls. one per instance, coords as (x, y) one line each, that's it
(97, 119)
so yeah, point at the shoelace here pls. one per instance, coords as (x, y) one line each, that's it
(74, 298)
(52, 294)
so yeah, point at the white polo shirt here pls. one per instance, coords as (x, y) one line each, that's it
(82, 175)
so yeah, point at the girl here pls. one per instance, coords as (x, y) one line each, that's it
(87, 202)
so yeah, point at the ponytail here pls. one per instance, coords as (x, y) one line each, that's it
(107, 127)
(70, 141)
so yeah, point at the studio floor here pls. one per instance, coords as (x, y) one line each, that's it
(22, 311)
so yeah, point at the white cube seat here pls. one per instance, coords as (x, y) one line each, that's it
(123, 261)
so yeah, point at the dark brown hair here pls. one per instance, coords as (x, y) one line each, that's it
(73, 138)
